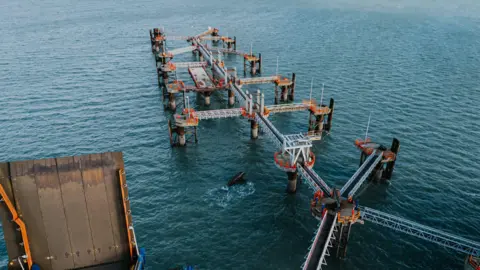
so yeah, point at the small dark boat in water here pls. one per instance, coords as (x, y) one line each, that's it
(237, 179)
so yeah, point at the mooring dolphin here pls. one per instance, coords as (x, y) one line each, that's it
(238, 178)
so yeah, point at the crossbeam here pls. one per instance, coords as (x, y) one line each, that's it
(430, 234)
(280, 108)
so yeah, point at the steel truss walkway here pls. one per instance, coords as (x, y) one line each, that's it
(448, 240)
(258, 80)
(357, 179)
(280, 108)
(217, 114)
(182, 50)
(190, 64)
(314, 180)
(294, 147)
(323, 240)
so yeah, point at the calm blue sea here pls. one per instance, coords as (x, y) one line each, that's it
(78, 77)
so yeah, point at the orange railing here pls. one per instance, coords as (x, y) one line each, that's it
(312, 106)
(312, 161)
(121, 174)
(282, 163)
(23, 229)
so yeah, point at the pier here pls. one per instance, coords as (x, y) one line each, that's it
(336, 209)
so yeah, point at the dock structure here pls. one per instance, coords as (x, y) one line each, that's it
(68, 213)
(336, 209)
(210, 74)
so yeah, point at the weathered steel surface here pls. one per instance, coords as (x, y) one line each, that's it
(75, 206)
(28, 207)
(97, 206)
(51, 206)
(11, 235)
(111, 163)
(72, 208)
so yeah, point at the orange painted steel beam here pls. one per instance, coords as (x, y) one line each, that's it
(20, 223)
(121, 174)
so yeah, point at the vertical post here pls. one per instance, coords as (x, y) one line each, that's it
(231, 97)
(246, 101)
(259, 63)
(207, 98)
(181, 136)
(251, 49)
(244, 66)
(226, 76)
(292, 89)
(276, 94)
(368, 125)
(234, 43)
(251, 104)
(311, 124)
(284, 94)
(254, 129)
(395, 148)
(258, 98)
(330, 115)
(292, 182)
(262, 104)
(171, 101)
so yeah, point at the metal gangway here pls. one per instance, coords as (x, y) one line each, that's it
(323, 240)
(217, 114)
(314, 180)
(430, 234)
(293, 107)
(258, 80)
(359, 177)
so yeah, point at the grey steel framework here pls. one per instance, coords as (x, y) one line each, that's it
(216, 114)
(421, 231)
(355, 175)
(313, 179)
(298, 143)
(365, 175)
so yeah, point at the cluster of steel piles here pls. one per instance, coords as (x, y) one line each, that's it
(337, 209)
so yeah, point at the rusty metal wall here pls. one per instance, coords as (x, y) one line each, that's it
(72, 208)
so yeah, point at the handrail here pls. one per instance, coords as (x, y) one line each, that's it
(365, 175)
(427, 233)
(317, 236)
(121, 174)
(354, 176)
(20, 223)
(320, 261)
